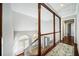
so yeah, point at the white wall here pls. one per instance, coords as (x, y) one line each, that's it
(24, 25)
(7, 27)
(23, 22)
(78, 27)
(30, 9)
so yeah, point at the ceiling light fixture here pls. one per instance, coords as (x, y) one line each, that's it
(61, 5)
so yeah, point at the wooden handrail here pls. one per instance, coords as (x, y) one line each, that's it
(49, 33)
(34, 41)
(44, 34)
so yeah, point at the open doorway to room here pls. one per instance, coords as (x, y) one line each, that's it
(69, 31)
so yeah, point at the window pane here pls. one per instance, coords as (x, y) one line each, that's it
(46, 42)
(46, 21)
(57, 36)
(56, 24)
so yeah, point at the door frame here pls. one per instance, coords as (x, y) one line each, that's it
(0, 29)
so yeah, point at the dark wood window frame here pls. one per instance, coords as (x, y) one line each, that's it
(39, 26)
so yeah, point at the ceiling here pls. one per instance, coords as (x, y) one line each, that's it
(64, 9)
(31, 9)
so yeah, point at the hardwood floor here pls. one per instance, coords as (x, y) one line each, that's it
(68, 40)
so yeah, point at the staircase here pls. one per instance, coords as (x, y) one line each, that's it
(33, 48)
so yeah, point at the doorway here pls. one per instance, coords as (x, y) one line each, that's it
(69, 29)
(69, 32)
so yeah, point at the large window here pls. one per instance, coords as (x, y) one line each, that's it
(49, 27)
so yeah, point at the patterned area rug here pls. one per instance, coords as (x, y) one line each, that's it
(62, 50)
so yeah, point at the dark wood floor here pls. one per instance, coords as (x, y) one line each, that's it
(68, 40)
